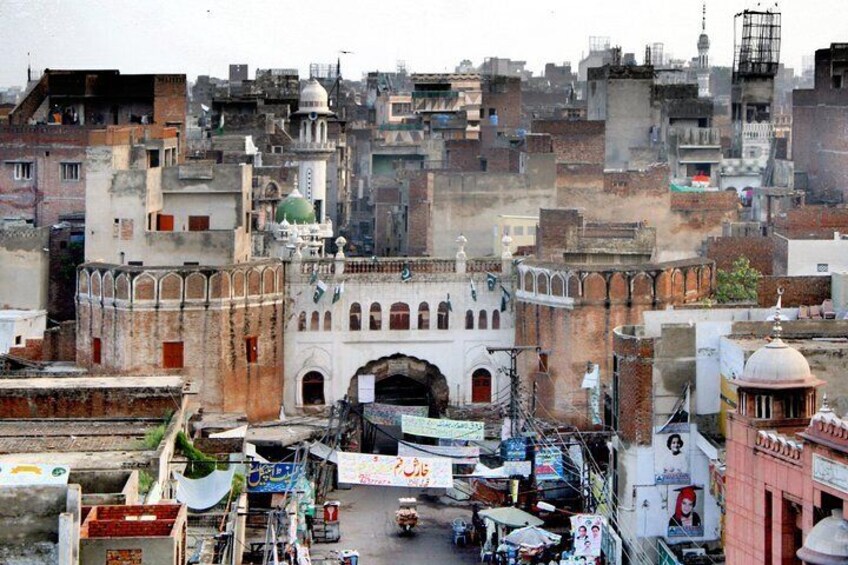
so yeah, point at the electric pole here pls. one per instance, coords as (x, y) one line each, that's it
(513, 353)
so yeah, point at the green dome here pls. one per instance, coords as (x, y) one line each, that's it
(295, 209)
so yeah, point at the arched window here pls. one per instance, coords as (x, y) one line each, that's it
(312, 389)
(399, 316)
(322, 132)
(423, 316)
(482, 322)
(328, 322)
(313, 322)
(481, 386)
(355, 323)
(443, 316)
(528, 282)
(496, 320)
(376, 317)
(469, 319)
(301, 322)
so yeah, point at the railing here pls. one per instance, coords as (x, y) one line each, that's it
(435, 94)
(365, 266)
(313, 146)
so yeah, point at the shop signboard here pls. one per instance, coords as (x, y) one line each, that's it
(395, 471)
(442, 428)
(273, 477)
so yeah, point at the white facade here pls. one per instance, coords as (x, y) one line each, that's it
(817, 257)
(338, 353)
(312, 147)
(17, 326)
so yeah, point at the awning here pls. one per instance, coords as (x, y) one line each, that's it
(533, 537)
(323, 451)
(511, 517)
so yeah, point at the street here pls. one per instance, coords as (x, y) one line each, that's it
(368, 525)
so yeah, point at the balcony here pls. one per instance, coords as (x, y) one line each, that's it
(314, 146)
(430, 94)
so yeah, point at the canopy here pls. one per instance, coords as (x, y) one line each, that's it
(202, 494)
(511, 517)
(533, 537)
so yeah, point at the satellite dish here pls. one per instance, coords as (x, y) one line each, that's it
(313, 116)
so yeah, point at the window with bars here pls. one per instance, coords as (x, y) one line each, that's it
(23, 171)
(70, 171)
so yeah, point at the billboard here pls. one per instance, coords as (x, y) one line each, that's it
(548, 464)
(273, 477)
(442, 428)
(686, 505)
(384, 470)
(389, 414)
(587, 531)
(671, 456)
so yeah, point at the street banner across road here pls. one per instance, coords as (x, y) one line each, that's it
(389, 414)
(441, 428)
(459, 455)
(384, 470)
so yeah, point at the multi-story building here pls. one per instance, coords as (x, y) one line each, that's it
(448, 104)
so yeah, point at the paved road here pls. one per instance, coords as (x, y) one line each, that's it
(368, 526)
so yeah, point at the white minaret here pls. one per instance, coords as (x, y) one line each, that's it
(703, 71)
(312, 147)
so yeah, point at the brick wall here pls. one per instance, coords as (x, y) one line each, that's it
(419, 234)
(819, 218)
(635, 357)
(60, 343)
(32, 350)
(87, 403)
(554, 228)
(538, 143)
(723, 201)
(503, 94)
(797, 291)
(758, 250)
(625, 183)
(574, 141)
(462, 155)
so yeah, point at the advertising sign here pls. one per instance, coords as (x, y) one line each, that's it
(389, 414)
(458, 455)
(548, 464)
(587, 530)
(514, 449)
(435, 427)
(20, 474)
(671, 458)
(384, 470)
(366, 389)
(687, 506)
(273, 477)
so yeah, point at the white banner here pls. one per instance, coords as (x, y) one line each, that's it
(366, 389)
(441, 428)
(383, 470)
(17, 474)
(459, 455)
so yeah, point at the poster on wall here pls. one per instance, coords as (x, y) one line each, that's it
(389, 414)
(442, 428)
(384, 470)
(686, 505)
(671, 457)
(514, 449)
(548, 464)
(587, 531)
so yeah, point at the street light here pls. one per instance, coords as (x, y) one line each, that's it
(547, 507)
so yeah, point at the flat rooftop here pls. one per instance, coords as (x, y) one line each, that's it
(70, 383)
(74, 435)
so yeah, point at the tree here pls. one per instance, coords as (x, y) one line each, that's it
(739, 284)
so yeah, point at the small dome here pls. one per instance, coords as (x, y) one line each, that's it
(827, 542)
(703, 41)
(313, 99)
(776, 365)
(295, 209)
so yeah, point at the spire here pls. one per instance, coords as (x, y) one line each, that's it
(704, 16)
(777, 329)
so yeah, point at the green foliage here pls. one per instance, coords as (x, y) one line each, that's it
(145, 482)
(154, 437)
(199, 464)
(238, 485)
(739, 284)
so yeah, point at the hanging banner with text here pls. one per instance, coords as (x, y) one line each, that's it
(384, 470)
(458, 454)
(30, 474)
(440, 428)
(273, 477)
(548, 464)
(389, 414)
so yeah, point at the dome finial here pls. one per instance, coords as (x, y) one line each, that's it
(777, 329)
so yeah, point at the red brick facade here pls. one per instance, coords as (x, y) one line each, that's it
(797, 291)
(758, 250)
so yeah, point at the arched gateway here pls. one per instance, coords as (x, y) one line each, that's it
(405, 381)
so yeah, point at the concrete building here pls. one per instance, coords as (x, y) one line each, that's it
(18, 326)
(521, 230)
(448, 104)
(798, 256)
(818, 118)
(25, 260)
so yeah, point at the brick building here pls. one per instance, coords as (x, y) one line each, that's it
(134, 535)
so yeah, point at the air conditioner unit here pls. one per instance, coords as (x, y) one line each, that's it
(694, 551)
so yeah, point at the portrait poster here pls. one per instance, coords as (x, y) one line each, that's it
(385, 470)
(671, 457)
(686, 511)
(587, 534)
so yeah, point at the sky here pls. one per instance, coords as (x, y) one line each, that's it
(205, 36)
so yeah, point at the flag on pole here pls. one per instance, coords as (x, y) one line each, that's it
(450, 308)
(313, 278)
(405, 273)
(337, 293)
(473, 291)
(491, 281)
(505, 296)
(320, 289)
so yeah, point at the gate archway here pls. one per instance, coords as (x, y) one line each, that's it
(405, 381)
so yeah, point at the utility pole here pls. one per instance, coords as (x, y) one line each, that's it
(513, 353)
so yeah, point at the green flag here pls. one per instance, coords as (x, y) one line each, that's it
(491, 281)
(505, 296)
(320, 289)
(473, 291)
(337, 293)
(405, 273)
(313, 278)
(450, 308)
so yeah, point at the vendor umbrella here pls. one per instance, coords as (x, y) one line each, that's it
(532, 536)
